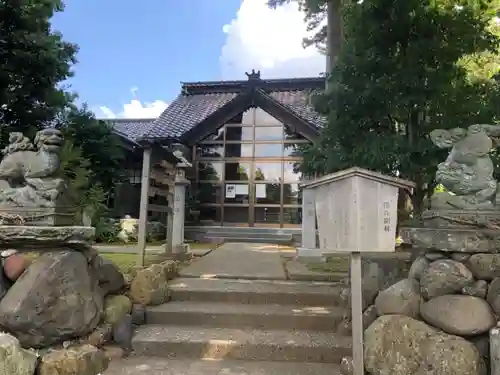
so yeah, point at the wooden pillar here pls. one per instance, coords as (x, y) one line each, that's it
(143, 208)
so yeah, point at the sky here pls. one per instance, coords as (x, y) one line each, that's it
(134, 55)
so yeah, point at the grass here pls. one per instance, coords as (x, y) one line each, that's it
(333, 264)
(336, 263)
(193, 245)
(127, 262)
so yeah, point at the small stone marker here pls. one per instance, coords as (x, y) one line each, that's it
(356, 210)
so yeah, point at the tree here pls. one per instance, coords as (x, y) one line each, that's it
(34, 61)
(85, 196)
(403, 72)
(99, 144)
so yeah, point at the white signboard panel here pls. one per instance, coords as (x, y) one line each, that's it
(356, 214)
(241, 189)
(230, 191)
(260, 191)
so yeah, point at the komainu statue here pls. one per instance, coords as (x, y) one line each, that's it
(467, 173)
(29, 174)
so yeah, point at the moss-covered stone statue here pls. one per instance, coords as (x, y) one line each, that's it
(467, 173)
(31, 186)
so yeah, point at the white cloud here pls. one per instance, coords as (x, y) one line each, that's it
(134, 109)
(269, 40)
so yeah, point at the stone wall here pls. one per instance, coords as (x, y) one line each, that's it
(68, 311)
(436, 321)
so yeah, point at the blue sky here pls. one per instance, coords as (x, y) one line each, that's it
(133, 55)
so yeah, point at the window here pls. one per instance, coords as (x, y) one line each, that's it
(269, 133)
(236, 171)
(266, 150)
(210, 171)
(267, 171)
(211, 151)
(238, 150)
(248, 172)
(239, 133)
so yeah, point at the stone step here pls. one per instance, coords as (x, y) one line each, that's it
(258, 292)
(230, 315)
(248, 230)
(248, 344)
(256, 233)
(181, 366)
(246, 238)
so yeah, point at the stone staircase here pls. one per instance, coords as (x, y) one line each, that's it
(250, 327)
(283, 236)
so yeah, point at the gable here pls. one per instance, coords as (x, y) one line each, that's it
(202, 108)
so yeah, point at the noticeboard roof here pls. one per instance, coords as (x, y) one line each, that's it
(359, 172)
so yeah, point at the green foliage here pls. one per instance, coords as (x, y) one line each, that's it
(34, 60)
(106, 230)
(99, 145)
(402, 73)
(86, 196)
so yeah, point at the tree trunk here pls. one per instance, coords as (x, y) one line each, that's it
(334, 35)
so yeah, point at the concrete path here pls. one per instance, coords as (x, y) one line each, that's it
(240, 261)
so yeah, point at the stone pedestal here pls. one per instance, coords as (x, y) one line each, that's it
(456, 278)
(456, 231)
(179, 213)
(57, 216)
(309, 245)
(35, 238)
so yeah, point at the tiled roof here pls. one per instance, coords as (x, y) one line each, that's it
(298, 101)
(131, 129)
(199, 100)
(185, 112)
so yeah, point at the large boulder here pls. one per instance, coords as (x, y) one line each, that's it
(56, 299)
(5, 284)
(116, 307)
(149, 286)
(401, 298)
(478, 289)
(110, 278)
(493, 295)
(459, 315)
(81, 360)
(484, 266)
(14, 266)
(418, 267)
(14, 360)
(400, 345)
(444, 276)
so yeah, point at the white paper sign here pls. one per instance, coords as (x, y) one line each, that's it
(230, 191)
(241, 189)
(260, 191)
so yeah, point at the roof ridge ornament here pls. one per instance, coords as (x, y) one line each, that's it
(253, 75)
